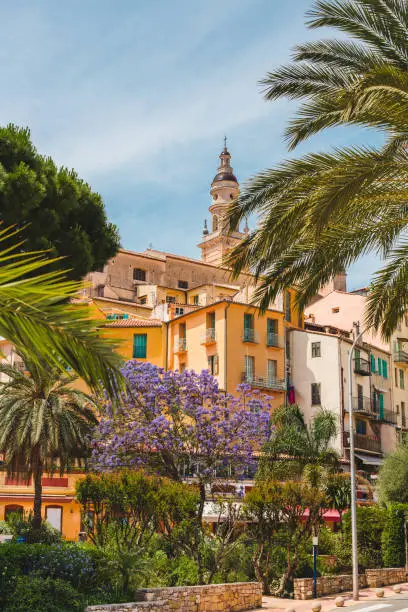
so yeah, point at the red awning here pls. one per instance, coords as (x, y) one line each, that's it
(330, 516)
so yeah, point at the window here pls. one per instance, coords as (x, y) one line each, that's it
(288, 306)
(287, 347)
(384, 368)
(195, 299)
(336, 309)
(13, 509)
(249, 367)
(248, 328)
(179, 311)
(213, 364)
(182, 367)
(272, 370)
(396, 376)
(401, 379)
(272, 332)
(403, 419)
(397, 409)
(183, 284)
(182, 330)
(139, 346)
(170, 299)
(210, 322)
(379, 366)
(53, 516)
(143, 299)
(316, 349)
(360, 398)
(139, 274)
(361, 427)
(315, 394)
(381, 404)
(372, 364)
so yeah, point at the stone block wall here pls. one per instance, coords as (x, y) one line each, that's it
(383, 577)
(234, 597)
(326, 585)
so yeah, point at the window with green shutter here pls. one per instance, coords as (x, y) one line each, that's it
(139, 346)
(402, 380)
(372, 359)
(381, 402)
(379, 366)
(384, 368)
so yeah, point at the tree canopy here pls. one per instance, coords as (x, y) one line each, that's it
(59, 211)
(393, 477)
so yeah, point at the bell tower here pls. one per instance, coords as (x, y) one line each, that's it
(217, 241)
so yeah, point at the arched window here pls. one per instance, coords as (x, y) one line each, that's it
(13, 509)
(139, 274)
(215, 223)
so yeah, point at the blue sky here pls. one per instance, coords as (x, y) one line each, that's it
(137, 97)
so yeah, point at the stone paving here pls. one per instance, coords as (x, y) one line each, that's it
(327, 602)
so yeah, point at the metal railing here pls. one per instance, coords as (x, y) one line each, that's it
(250, 335)
(208, 336)
(363, 405)
(264, 382)
(273, 339)
(180, 345)
(401, 357)
(387, 416)
(362, 442)
(361, 366)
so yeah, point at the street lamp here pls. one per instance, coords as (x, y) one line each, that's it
(353, 468)
(315, 545)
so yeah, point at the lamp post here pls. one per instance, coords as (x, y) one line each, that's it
(353, 468)
(315, 545)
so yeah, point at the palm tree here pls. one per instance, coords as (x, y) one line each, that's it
(321, 212)
(299, 450)
(44, 423)
(36, 316)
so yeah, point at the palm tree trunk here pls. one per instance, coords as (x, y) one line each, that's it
(37, 518)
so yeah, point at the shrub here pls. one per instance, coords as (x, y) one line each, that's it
(393, 536)
(46, 594)
(21, 526)
(370, 525)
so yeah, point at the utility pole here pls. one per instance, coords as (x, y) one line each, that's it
(354, 547)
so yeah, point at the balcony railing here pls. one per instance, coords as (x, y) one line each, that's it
(362, 442)
(273, 339)
(250, 335)
(387, 416)
(362, 405)
(264, 382)
(401, 357)
(208, 337)
(361, 366)
(180, 345)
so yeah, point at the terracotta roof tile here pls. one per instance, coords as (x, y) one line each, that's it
(134, 323)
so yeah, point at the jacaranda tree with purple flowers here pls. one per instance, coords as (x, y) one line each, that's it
(180, 424)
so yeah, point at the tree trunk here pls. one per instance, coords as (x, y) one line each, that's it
(37, 518)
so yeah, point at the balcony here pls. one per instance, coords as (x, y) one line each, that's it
(250, 335)
(274, 340)
(180, 345)
(208, 337)
(361, 366)
(264, 382)
(401, 357)
(362, 405)
(361, 442)
(387, 416)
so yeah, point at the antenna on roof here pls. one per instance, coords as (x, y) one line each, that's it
(150, 246)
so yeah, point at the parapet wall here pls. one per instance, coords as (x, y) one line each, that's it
(234, 597)
(327, 585)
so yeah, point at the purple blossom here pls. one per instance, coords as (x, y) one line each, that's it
(172, 419)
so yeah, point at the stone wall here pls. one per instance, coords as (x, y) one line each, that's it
(382, 577)
(234, 597)
(326, 585)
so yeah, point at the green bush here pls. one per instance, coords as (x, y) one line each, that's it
(370, 525)
(21, 526)
(393, 536)
(34, 594)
